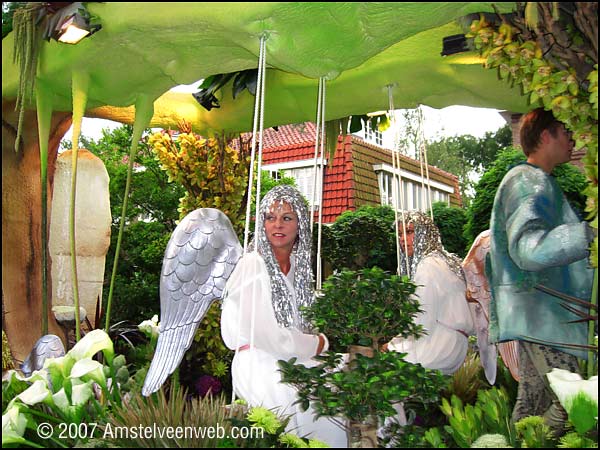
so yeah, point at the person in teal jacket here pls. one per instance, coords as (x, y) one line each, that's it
(537, 240)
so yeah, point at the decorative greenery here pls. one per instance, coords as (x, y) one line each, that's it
(27, 42)
(245, 79)
(7, 360)
(466, 382)
(160, 410)
(213, 173)
(552, 54)
(490, 415)
(64, 393)
(368, 307)
(368, 389)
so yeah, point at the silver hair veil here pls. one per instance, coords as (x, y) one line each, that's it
(287, 313)
(427, 241)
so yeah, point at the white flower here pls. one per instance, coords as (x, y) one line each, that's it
(150, 327)
(567, 385)
(13, 425)
(36, 393)
(89, 369)
(92, 343)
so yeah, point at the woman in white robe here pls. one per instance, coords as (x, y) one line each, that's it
(261, 317)
(446, 317)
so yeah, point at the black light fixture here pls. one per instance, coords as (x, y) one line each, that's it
(457, 43)
(71, 24)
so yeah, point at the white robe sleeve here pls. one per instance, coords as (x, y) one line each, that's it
(248, 318)
(445, 317)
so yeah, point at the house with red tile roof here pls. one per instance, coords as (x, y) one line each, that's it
(360, 173)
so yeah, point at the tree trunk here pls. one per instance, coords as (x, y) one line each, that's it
(361, 434)
(21, 228)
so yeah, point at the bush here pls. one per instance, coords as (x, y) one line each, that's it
(451, 222)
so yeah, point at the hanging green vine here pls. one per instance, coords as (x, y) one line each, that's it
(27, 42)
(561, 75)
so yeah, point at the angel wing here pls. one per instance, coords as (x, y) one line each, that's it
(200, 256)
(479, 296)
(48, 346)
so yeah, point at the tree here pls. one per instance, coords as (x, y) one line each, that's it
(468, 157)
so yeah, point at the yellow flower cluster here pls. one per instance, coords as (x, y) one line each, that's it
(214, 174)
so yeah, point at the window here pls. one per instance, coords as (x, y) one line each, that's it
(303, 172)
(372, 135)
(413, 195)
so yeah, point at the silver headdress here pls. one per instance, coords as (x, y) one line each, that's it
(286, 312)
(427, 241)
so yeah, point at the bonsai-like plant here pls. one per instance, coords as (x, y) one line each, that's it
(359, 311)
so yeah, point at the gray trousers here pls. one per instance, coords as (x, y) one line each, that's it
(535, 397)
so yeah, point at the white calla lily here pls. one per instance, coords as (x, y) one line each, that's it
(61, 401)
(150, 327)
(82, 392)
(92, 343)
(566, 385)
(38, 392)
(87, 368)
(13, 422)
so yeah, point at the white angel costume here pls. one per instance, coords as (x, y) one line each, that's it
(261, 320)
(446, 317)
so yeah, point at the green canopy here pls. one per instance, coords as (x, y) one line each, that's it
(145, 49)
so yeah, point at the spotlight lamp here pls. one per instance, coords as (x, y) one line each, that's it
(71, 24)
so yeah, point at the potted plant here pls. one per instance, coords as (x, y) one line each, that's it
(359, 311)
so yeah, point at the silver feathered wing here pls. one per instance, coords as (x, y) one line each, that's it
(479, 296)
(48, 346)
(200, 256)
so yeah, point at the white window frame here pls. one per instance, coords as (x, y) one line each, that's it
(288, 167)
(413, 195)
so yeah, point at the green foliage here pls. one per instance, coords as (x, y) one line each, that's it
(583, 413)
(490, 415)
(361, 239)
(71, 391)
(213, 173)
(8, 10)
(466, 382)
(366, 308)
(162, 411)
(467, 156)
(575, 440)
(533, 432)
(569, 178)
(208, 355)
(451, 222)
(367, 389)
